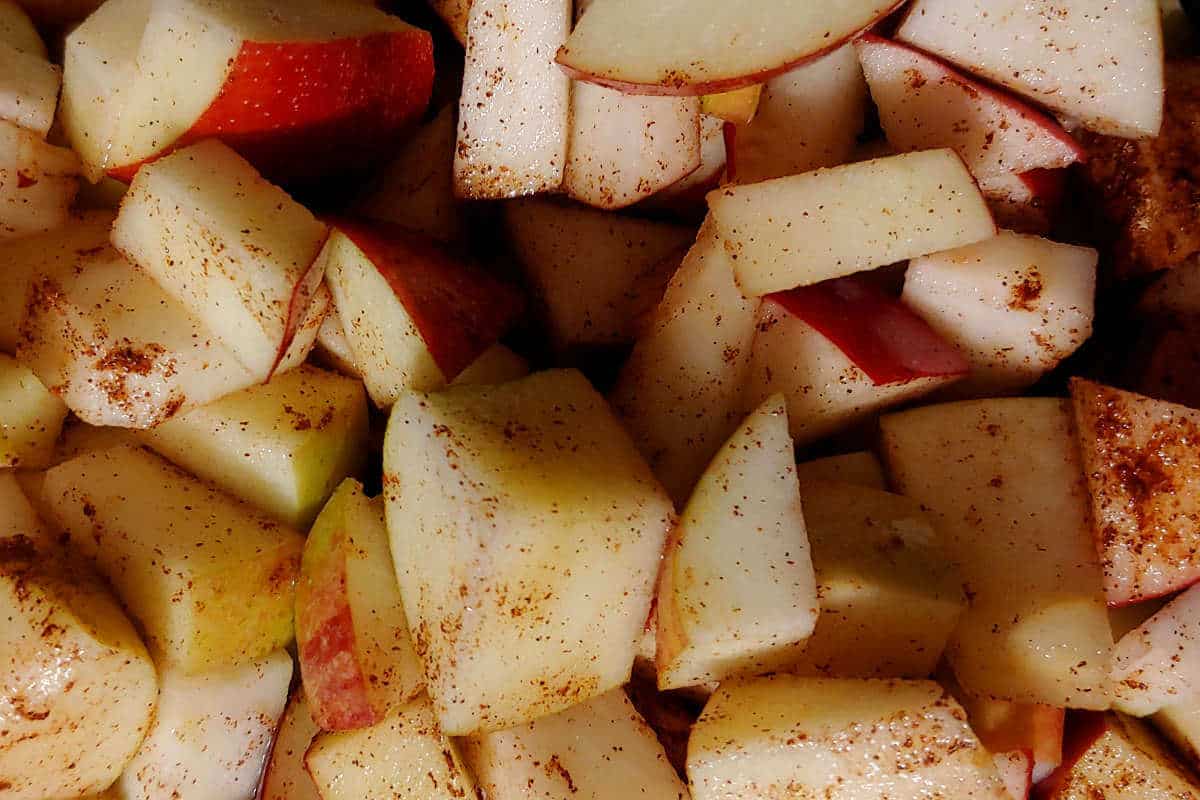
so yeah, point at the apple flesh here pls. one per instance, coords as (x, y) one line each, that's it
(284, 777)
(859, 469)
(1180, 724)
(825, 224)
(523, 598)
(1140, 465)
(18, 518)
(1155, 665)
(30, 417)
(685, 197)
(28, 87)
(210, 581)
(38, 181)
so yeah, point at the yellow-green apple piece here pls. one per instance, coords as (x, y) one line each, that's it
(17, 29)
(210, 581)
(824, 224)
(1157, 664)
(356, 654)
(497, 364)
(28, 89)
(38, 181)
(18, 518)
(1143, 472)
(787, 736)
(1180, 723)
(600, 749)
(284, 776)
(860, 468)
(1099, 64)
(105, 337)
(1014, 305)
(679, 394)
(890, 598)
(594, 274)
(737, 105)
(514, 115)
(30, 417)
(235, 250)
(523, 597)
(77, 687)
(212, 733)
(282, 446)
(681, 47)
(808, 117)
(404, 757)
(737, 594)
(1004, 484)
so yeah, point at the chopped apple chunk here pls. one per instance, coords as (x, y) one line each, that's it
(30, 417)
(1157, 664)
(28, 88)
(18, 518)
(38, 181)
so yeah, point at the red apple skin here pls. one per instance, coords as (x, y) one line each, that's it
(300, 110)
(1081, 731)
(881, 335)
(458, 309)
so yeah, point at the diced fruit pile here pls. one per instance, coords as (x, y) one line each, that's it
(514, 399)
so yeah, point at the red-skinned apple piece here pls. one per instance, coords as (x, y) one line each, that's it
(1028, 202)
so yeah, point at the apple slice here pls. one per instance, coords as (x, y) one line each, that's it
(210, 581)
(18, 518)
(405, 757)
(679, 393)
(415, 316)
(596, 274)
(284, 777)
(1180, 724)
(38, 181)
(211, 734)
(828, 223)
(685, 197)
(30, 417)
(17, 29)
(890, 598)
(514, 115)
(332, 348)
(233, 248)
(1157, 665)
(736, 593)
(1014, 305)
(1101, 66)
(79, 688)
(1141, 466)
(207, 69)
(842, 350)
(859, 469)
(573, 753)
(679, 47)
(808, 117)
(78, 438)
(1004, 484)
(28, 88)
(787, 736)
(924, 104)
(103, 336)
(522, 595)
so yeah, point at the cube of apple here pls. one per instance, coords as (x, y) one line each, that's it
(30, 417)
(284, 777)
(860, 469)
(1014, 305)
(1157, 665)
(210, 581)
(18, 518)
(523, 596)
(28, 88)
(1101, 66)
(79, 689)
(808, 117)
(514, 114)
(404, 757)
(828, 223)
(118, 349)
(574, 752)
(212, 733)
(497, 364)
(787, 736)
(1141, 467)
(283, 446)
(842, 350)
(17, 29)
(235, 250)
(679, 393)
(595, 274)
(1180, 724)
(38, 181)
(736, 593)
(415, 315)
(890, 598)
(1004, 484)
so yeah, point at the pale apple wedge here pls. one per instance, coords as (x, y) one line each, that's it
(514, 115)
(571, 754)
(860, 469)
(787, 736)
(1141, 468)
(210, 581)
(18, 517)
(1099, 64)
(332, 348)
(832, 222)
(282, 446)
(522, 596)
(1004, 484)
(211, 734)
(38, 181)
(1157, 664)
(685, 197)
(28, 89)
(284, 777)
(79, 688)
(680, 47)
(737, 595)
(30, 417)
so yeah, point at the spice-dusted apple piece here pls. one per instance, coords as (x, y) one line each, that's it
(30, 417)
(38, 182)
(1157, 664)
(284, 776)
(29, 82)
